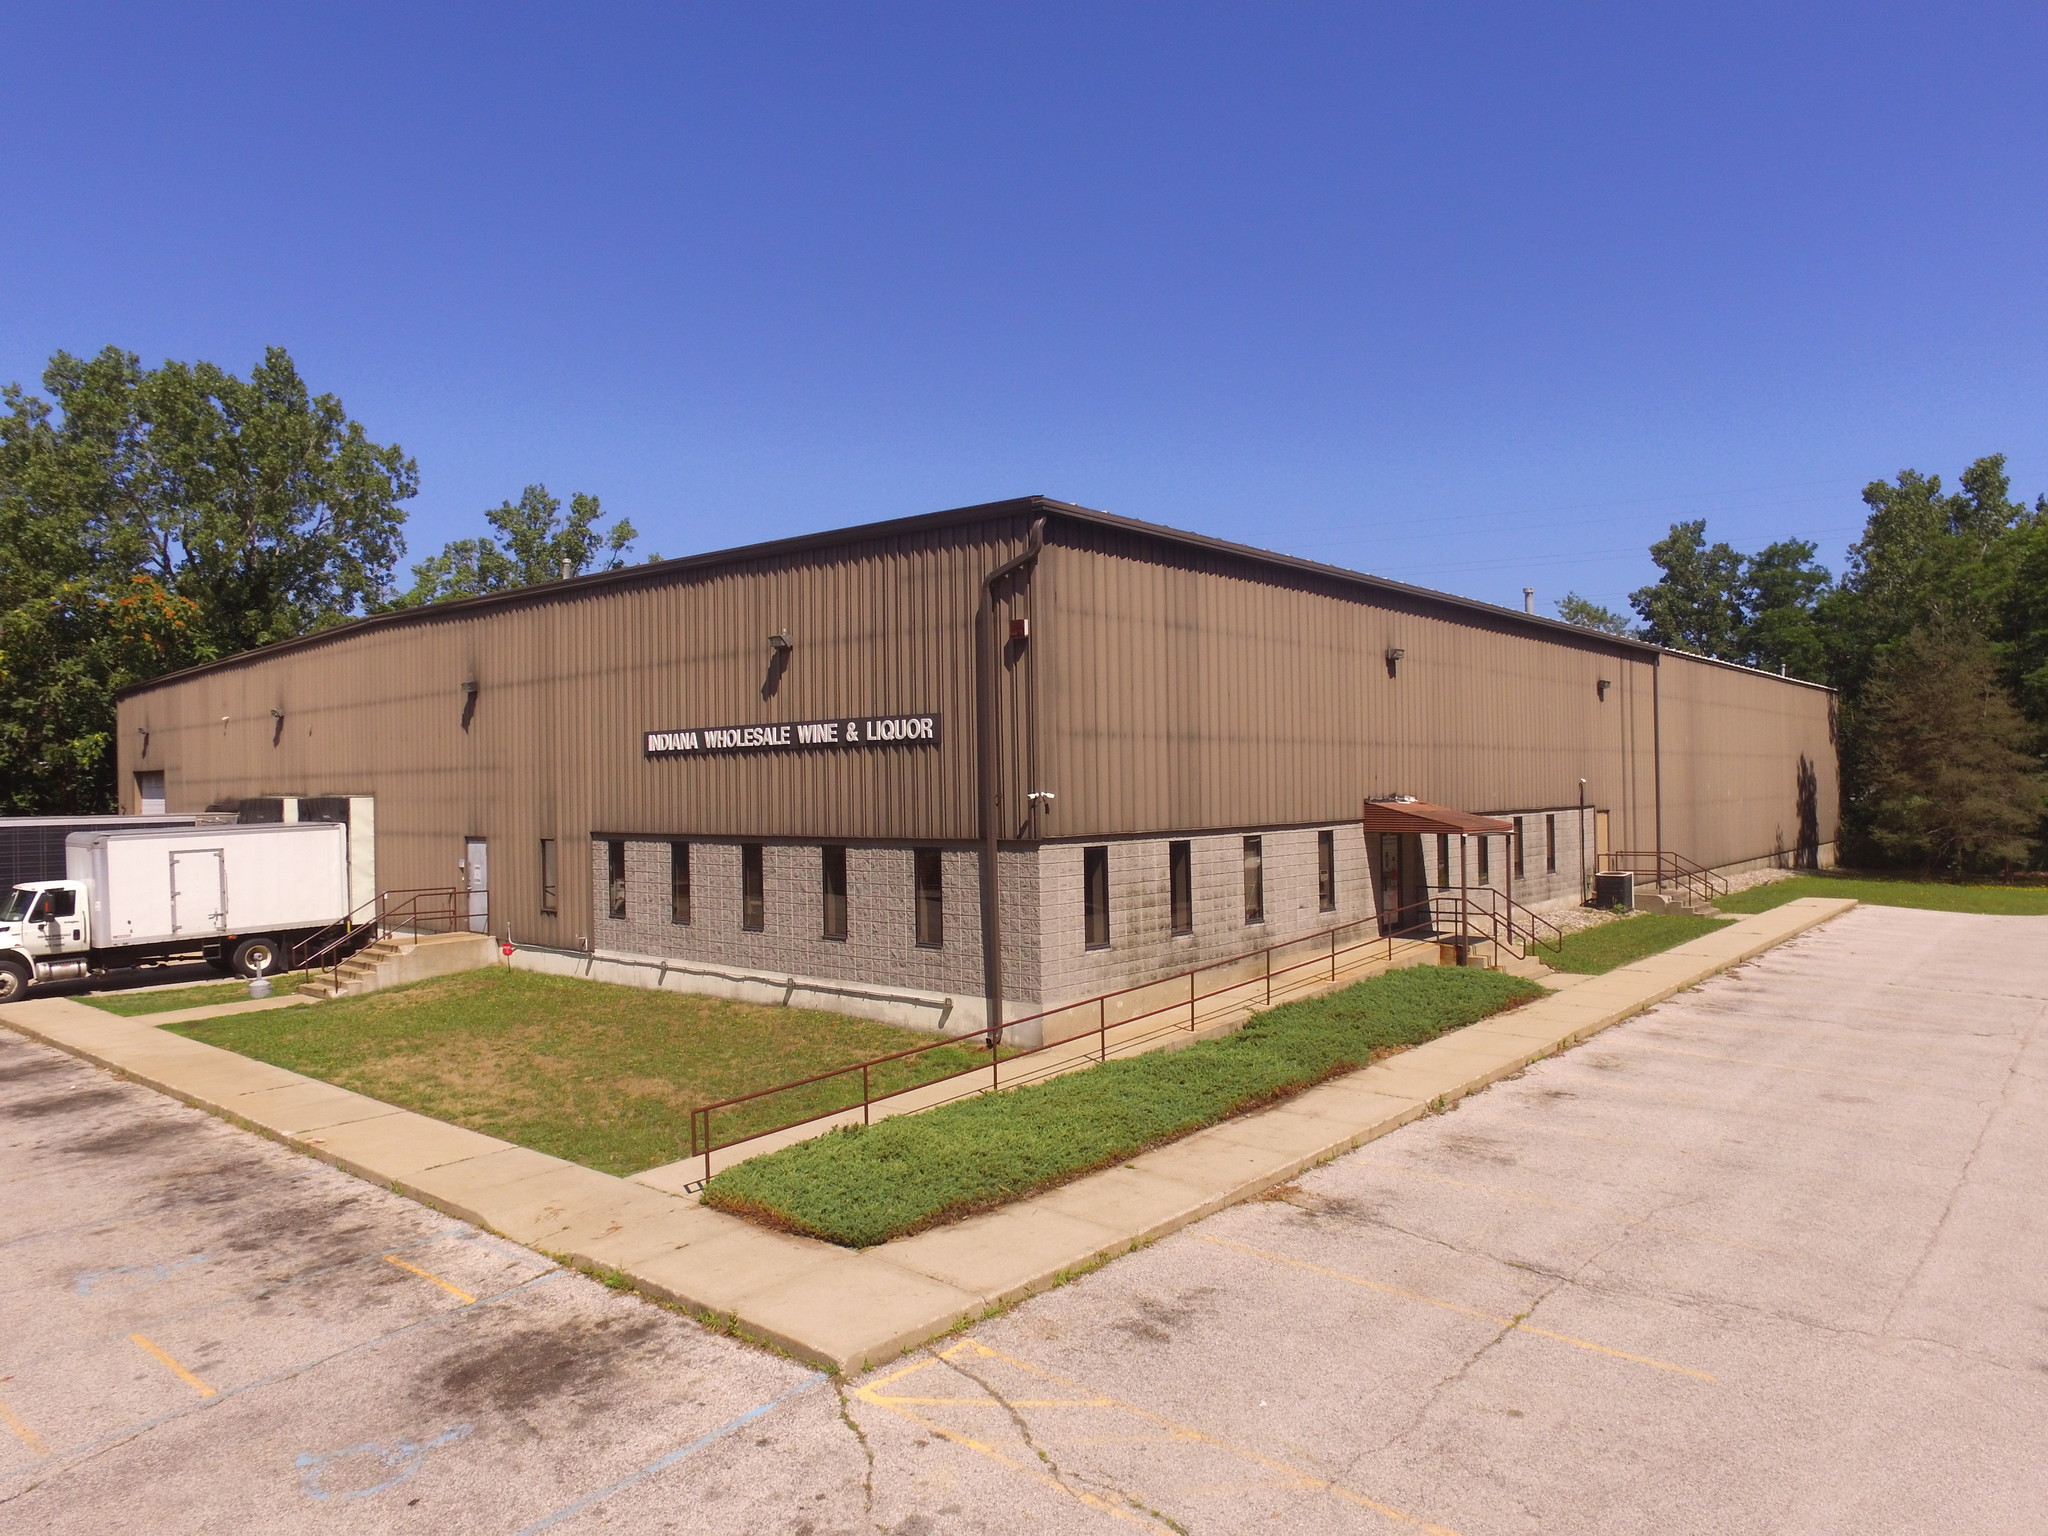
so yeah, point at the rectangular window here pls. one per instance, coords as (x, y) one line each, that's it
(1254, 880)
(679, 883)
(550, 878)
(615, 879)
(753, 900)
(1550, 845)
(1326, 871)
(834, 864)
(1095, 896)
(1485, 859)
(1180, 882)
(1519, 870)
(1443, 861)
(931, 899)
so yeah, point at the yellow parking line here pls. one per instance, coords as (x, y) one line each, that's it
(22, 1432)
(453, 1290)
(1452, 1306)
(1295, 1477)
(175, 1369)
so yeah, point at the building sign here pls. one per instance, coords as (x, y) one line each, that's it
(798, 736)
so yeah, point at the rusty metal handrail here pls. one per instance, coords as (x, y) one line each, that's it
(702, 1143)
(386, 915)
(1665, 867)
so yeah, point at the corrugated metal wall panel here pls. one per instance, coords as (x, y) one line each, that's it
(1163, 688)
(566, 687)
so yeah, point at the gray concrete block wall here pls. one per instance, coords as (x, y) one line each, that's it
(880, 947)
(1536, 886)
(1142, 945)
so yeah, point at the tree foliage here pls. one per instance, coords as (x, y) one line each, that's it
(1946, 780)
(154, 517)
(539, 545)
(1587, 614)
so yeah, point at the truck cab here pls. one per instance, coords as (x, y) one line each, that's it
(45, 931)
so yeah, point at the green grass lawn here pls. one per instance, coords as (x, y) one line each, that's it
(129, 1004)
(602, 1075)
(1884, 891)
(1595, 951)
(867, 1184)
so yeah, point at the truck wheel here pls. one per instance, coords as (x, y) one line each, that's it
(257, 956)
(14, 978)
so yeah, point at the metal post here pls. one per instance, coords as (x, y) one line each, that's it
(866, 1098)
(1269, 978)
(1101, 1029)
(1191, 1002)
(1333, 954)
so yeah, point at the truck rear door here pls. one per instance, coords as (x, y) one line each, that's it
(199, 891)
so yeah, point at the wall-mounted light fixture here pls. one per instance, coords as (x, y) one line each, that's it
(1394, 656)
(1603, 685)
(276, 726)
(468, 701)
(1020, 629)
(780, 642)
(143, 732)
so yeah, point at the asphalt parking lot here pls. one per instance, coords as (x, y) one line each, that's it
(1766, 1259)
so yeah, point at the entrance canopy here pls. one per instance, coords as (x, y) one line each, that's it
(1406, 815)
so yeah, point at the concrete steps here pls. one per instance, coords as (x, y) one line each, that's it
(1675, 901)
(390, 962)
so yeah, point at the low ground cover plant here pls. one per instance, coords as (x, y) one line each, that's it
(1886, 891)
(867, 1184)
(603, 1075)
(1595, 951)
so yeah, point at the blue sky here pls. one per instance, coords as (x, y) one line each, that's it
(1478, 297)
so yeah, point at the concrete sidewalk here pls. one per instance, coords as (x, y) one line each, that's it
(848, 1309)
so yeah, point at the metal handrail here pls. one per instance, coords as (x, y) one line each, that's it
(1511, 922)
(702, 1143)
(1666, 868)
(386, 914)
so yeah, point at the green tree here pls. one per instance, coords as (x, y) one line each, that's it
(1697, 604)
(540, 545)
(1782, 589)
(1946, 780)
(1587, 614)
(150, 518)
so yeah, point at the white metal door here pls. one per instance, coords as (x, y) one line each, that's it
(199, 891)
(476, 864)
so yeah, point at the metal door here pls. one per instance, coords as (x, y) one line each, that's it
(476, 866)
(199, 891)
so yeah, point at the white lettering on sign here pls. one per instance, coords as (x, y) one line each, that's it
(868, 731)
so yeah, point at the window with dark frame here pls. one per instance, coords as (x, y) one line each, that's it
(1095, 897)
(615, 878)
(1443, 861)
(1180, 884)
(1519, 870)
(931, 898)
(1485, 859)
(550, 878)
(1254, 880)
(753, 898)
(679, 884)
(1550, 845)
(833, 864)
(1326, 871)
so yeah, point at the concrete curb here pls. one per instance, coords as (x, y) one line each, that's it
(850, 1310)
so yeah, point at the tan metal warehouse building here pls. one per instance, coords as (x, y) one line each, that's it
(843, 762)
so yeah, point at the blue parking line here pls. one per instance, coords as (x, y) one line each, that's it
(569, 1511)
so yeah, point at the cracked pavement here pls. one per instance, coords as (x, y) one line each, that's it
(1765, 1259)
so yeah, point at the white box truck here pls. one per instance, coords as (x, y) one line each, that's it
(240, 897)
